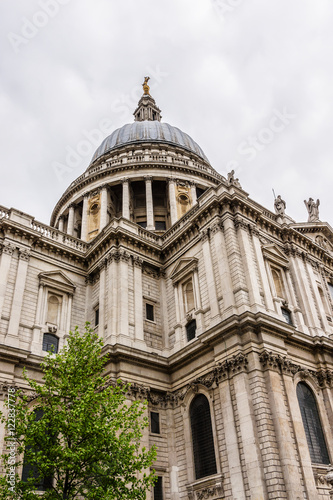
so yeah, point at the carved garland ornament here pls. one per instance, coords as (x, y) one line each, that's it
(322, 378)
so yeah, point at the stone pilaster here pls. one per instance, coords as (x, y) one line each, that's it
(70, 223)
(224, 268)
(123, 297)
(126, 200)
(248, 263)
(149, 203)
(209, 272)
(15, 314)
(7, 251)
(285, 439)
(36, 332)
(262, 270)
(178, 327)
(102, 295)
(138, 304)
(249, 438)
(304, 292)
(112, 296)
(231, 441)
(172, 201)
(317, 298)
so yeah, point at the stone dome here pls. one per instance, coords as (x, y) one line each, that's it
(148, 131)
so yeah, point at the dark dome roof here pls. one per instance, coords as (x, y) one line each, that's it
(148, 131)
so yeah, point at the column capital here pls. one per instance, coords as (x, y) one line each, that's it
(148, 178)
(170, 180)
(240, 223)
(205, 235)
(137, 262)
(125, 180)
(218, 226)
(7, 248)
(24, 254)
(71, 205)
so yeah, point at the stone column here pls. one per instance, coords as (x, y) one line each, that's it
(61, 223)
(68, 314)
(212, 295)
(126, 203)
(104, 207)
(262, 270)
(193, 193)
(7, 251)
(70, 223)
(149, 203)
(231, 441)
(224, 267)
(138, 303)
(84, 226)
(172, 201)
(249, 267)
(101, 300)
(15, 314)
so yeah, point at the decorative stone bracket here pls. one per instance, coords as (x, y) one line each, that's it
(208, 488)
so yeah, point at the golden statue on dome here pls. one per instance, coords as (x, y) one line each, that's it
(145, 86)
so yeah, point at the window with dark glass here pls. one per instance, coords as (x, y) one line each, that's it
(191, 329)
(287, 315)
(97, 316)
(50, 342)
(202, 437)
(31, 471)
(312, 425)
(150, 312)
(158, 488)
(160, 225)
(155, 422)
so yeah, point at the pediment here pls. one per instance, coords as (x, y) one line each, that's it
(183, 268)
(320, 233)
(57, 280)
(274, 254)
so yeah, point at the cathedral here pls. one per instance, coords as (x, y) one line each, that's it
(218, 311)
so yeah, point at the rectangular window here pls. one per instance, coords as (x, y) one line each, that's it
(150, 312)
(160, 225)
(158, 489)
(155, 422)
(97, 316)
(287, 316)
(191, 329)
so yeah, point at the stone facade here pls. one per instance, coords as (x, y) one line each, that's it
(195, 289)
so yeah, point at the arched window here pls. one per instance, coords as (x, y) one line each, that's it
(31, 471)
(312, 425)
(50, 342)
(202, 437)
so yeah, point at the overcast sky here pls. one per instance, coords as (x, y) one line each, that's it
(251, 81)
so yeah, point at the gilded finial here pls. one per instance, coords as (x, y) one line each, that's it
(145, 86)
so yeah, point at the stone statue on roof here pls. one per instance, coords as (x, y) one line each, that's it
(279, 205)
(313, 209)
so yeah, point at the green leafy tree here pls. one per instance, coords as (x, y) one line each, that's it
(80, 436)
